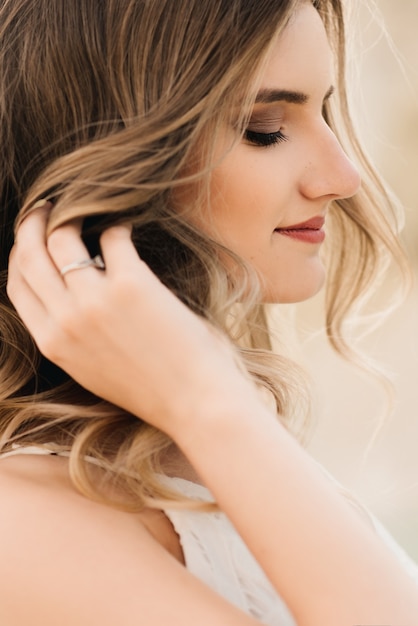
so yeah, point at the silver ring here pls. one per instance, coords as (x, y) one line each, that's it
(96, 262)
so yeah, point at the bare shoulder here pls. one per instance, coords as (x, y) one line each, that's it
(72, 561)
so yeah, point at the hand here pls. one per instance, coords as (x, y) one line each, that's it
(120, 333)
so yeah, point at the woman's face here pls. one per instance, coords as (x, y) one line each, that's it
(271, 191)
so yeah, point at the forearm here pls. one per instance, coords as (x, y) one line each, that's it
(326, 563)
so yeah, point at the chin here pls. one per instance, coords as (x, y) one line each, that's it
(291, 292)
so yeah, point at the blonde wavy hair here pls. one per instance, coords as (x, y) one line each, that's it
(108, 107)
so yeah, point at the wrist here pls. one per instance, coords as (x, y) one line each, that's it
(221, 419)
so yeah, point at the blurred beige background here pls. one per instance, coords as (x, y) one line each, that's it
(348, 404)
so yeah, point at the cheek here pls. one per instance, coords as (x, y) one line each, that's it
(251, 196)
(245, 200)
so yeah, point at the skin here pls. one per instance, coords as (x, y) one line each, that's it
(256, 190)
(115, 568)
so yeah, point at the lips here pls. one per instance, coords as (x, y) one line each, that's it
(309, 231)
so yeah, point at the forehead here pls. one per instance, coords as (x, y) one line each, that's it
(301, 58)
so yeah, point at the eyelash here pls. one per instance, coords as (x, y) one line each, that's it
(265, 139)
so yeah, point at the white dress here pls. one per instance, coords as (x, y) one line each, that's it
(215, 553)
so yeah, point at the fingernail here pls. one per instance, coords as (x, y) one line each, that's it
(40, 203)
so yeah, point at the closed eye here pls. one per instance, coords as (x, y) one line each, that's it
(264, 139)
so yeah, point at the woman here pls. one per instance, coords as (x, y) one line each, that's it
(175, 164)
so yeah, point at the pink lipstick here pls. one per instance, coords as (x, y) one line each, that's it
(310, 231)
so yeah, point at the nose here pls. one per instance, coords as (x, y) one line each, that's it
(328, 170)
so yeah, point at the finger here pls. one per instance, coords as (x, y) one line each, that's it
(42, 206)
(68, 252)
(119, 252)
(39, 213)
(29, 307)
(31, 257)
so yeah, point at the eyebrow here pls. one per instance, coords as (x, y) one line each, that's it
(269, 96)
